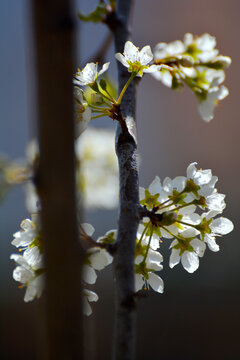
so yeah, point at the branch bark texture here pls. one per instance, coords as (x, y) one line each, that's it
(126, 147)
(55, 179)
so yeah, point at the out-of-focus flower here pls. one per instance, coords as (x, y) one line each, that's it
(98, 169)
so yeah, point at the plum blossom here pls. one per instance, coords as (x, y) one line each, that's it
(188, 253)
(137, 61)
(145, 271)
(89, 74)
(195, 62)
(28, 273)
(96, 258)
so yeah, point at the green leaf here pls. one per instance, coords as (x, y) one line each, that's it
(95, 16)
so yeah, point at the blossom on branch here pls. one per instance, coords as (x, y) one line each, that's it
(194, 62)
(89, 74)
(171, 212)
(137, 61)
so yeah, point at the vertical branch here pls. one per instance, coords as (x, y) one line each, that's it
(124, 346)
(56, 178)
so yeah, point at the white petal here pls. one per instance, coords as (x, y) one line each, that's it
(145, 55)
(152, 68)
(33, 257)
(206, 109)
(154, 260)
(141, 193)
(100, 259)
(89, 275)
(22, 274)
(221, 226)
(139, 282)
(164, 76)
(31, 292)
(88, 228)
(202, 177)
(87, 310)
(216, 202)
(131, 52)
(207, 56)
(179, 183)
(190, 232)
(191, 170)
(155, 187)
(19, 259)
(91, 295)
(122, 59)
(190, 261)
(210, 240)
(188, 210)
(188, 39)
(206, 42)
(175, 47)
(104, 68)
(174, 258)
(167, 185)
(199, 247)
(155, 282)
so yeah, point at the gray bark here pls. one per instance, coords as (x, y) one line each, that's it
(126, 147)
(55, 179)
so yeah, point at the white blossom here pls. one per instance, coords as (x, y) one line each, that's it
(26, 274)
(27, 234)
(137, 61)
(148, 277)
(89, 74)
(189, 259)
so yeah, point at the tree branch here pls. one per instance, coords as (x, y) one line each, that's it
(126, 147)
(55, 179)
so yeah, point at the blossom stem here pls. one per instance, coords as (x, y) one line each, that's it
(144, 231)
(150, 238)
(125, 88)
(184, 223)
(98, 116)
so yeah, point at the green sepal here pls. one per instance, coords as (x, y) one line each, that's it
(103, 84)
(150, 201)
(204, 227)
(191, 187)
(109, 238)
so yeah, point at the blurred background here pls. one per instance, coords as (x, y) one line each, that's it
(198, 315)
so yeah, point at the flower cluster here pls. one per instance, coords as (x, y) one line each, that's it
(184, 209)
(96, 258)
(30, 268)
(196, 63)
(30, 271)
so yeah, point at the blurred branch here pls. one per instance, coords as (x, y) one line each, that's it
(100, 54)
(55, 180)
(124, 346)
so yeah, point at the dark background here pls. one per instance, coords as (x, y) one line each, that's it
(198, 315)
